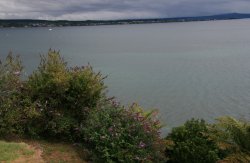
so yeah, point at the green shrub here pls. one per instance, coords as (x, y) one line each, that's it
(63, 95)
(10, 77)
(10, 84)
(233, 136)
(86, 89)
(191, 143)
(15, 109)
(115, 134)
(238, 131)
(48, 84)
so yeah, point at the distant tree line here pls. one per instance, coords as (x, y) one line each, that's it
(58, 23)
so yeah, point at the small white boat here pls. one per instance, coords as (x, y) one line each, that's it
(50, 29)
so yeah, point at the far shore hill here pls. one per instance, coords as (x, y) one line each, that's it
(7, 23)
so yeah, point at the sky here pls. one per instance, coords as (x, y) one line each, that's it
(116, 9)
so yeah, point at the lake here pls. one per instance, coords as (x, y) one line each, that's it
(192, 69)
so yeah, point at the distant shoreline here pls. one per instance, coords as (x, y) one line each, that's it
(28, 23)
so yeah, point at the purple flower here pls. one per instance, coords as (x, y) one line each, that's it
(142, 145)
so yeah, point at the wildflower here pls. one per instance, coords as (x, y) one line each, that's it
(142, 145)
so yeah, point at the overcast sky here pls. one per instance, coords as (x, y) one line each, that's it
(116, 9)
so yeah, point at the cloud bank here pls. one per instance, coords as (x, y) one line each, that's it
(116, 9)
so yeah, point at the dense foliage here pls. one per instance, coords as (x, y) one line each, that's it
(226, 141)
(233, 137)
(15, 109)
(116, 134)
(238, 131)
(191, 143)
(53, 103)
(58, 102)
(63, 95)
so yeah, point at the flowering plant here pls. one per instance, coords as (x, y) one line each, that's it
(116, 134)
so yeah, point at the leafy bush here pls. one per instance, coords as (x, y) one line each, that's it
(238, 131)
(63, 95)
(115, 134)
(233, 136)
(10, 76)
(49, 83)
(191, 144)
(53, 102)
(15, 109)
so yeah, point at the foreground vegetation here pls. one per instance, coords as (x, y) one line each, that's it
(12, 151)
(38, 151)
(68, 104)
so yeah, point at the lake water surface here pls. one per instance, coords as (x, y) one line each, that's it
(194, 69)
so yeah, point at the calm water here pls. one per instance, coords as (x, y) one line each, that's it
(196, 69)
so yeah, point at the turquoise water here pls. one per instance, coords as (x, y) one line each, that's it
(194, 69)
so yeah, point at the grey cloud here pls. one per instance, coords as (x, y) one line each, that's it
(116, 9)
